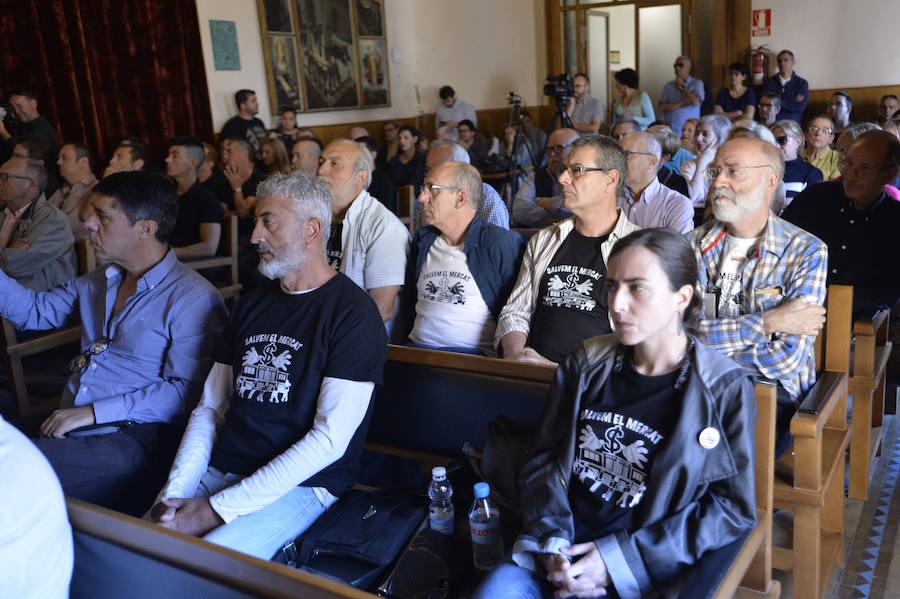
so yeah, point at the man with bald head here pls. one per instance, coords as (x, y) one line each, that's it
(460, 269)
(539, 201)
(763, 278)
(366, 242)
(490, 206)
(681, 97)
(858, 221)
(647, 202)
(305, 155)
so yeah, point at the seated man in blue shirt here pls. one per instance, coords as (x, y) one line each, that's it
(148, 328)
(278, 434)
(460, 269)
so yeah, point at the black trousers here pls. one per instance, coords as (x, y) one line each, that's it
(122, 471)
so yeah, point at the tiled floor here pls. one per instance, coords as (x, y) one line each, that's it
(870, 568)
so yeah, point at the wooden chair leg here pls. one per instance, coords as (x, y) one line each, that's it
(860, 440)
(807, 551)
(17, 384)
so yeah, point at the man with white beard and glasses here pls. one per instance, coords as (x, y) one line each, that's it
(278, 433)
(763, 279)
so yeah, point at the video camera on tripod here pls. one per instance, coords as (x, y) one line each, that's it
(562, 88)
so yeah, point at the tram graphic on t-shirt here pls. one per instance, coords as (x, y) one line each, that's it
(264, 368)
(446, 287)
(570, 287)
(613, 465)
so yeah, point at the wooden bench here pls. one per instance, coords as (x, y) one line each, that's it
(14, 349)
(231, 288)
(124, 556)
(815, 494)
(872, 350)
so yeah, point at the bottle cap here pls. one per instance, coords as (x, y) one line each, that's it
(438, 473)
(482, 490)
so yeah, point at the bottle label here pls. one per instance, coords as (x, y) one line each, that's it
(485, 533)
(441, 522)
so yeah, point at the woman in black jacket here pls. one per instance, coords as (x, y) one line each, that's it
(644, 460)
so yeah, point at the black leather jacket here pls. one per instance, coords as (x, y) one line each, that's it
(696, 499)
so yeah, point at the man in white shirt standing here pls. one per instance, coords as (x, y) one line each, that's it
(366, 241)
(278, 433)
(647, 202)
(460, 269)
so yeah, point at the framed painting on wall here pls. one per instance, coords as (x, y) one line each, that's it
(325, 54)
(373, 69)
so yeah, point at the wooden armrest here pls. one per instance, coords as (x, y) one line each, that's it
(49, 340)
(817, 397)
(869, 326)
(817, 408)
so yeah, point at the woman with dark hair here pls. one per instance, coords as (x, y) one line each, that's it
(737, 101)
(644, 460)
(631, 104)
(408, 166)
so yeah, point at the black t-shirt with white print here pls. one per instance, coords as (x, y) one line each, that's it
(571, 303)
(280, 347)
(619, 434)
(335, 251)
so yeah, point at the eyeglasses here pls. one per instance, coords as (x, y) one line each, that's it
(430, 187)
(96, 348)
(628, 153)
(557, 148)
(781, 140)
(761, 105)
(732, 171)
(678, 65)
(845, 165)
(7, 176)
(815, 130)
(572, 169)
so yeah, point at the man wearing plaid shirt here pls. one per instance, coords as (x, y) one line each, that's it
(763, 279)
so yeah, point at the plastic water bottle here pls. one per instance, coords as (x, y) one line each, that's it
(440, 513)
(484, 525)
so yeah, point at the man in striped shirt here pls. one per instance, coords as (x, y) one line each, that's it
(763, 279)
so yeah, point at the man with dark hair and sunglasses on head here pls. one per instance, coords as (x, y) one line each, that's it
(858, 221)
(559, 299)
(539, 201)
(762, 279)
(149, 325)
(35, 239)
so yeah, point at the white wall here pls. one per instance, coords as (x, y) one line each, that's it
(837, 43)
(482, 49)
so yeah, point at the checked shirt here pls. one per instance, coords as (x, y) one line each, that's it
(789, 263)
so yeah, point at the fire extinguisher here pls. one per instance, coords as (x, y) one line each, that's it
(759, 64)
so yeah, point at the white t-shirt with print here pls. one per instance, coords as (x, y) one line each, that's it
(450, 311)
(729, 283)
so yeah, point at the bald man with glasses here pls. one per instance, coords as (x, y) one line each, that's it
(559, 298)
(538, 202)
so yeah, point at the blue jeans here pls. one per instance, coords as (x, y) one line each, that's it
(268, 529)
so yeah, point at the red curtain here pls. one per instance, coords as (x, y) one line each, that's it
(103, 69)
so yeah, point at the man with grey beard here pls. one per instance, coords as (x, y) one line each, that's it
(763, 278)
(278, 433)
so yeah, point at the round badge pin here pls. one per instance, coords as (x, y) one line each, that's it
(709, 437)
